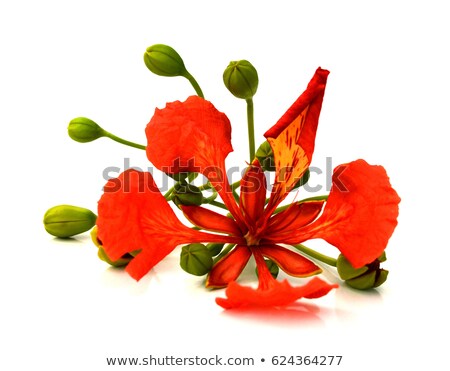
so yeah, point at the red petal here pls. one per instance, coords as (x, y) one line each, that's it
(134, 215)
(193, 136)
(229, 267)
(296, 216)
(279, 294)
(253, 193)
(289, 261)
(360, 214)
(292, 138)
(208, 219)
(188, 136)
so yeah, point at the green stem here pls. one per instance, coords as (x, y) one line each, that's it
(205, 186)
(236, 196)
(282, 208)
(194, 84)
(235, 185)
(168, 194)
(316, 198)
(123, 141)
(208, 200)
(251, 129)
(316, 255)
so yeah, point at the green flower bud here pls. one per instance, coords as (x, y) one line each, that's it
(215, 248)
(163, 60)
(264, 154)
(123, 261)
(273, 268)
(65, 220)
(241, 79)
(196, 259)
(83, 130)
(187, 194)
(367, 277)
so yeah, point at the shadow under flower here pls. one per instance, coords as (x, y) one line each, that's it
(297, 313)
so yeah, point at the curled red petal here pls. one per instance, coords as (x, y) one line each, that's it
(296, 216)
(360, 214)
(278, 294)
(210, 220)
(253, 193)
(188, 136)
(289, 261)
(229, 267)
(292, 138)
(193, 136)
(134, 215)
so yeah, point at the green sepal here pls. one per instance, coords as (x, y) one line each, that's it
(382, 258)
(196, 259)
(121, 262)
(367, 277)
(346, 270)
(364, 282)
(381, 278)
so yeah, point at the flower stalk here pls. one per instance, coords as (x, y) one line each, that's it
(251, 128)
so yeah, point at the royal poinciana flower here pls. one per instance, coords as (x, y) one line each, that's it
(358, 217)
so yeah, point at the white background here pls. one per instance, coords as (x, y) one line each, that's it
(386, 101)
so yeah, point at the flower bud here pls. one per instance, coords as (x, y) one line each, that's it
(123, 261)
(367, 277)
(83, 130)
(65, 220)
(264, 154)
(215, 248)
(196, 259)
(187, 194)
(163, 60)
(273, 268)
(241, 79)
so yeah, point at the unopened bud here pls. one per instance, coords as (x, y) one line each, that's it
(163, 60)
(367, 277)
(241, 79)
(264, 154)
(215, 248)
(83, 130)
(196, 259)
(66, 220)
(187, 194)
(304, 179)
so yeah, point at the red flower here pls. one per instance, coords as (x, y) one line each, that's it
(358, 218)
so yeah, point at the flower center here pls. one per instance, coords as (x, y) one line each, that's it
(251, 239)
